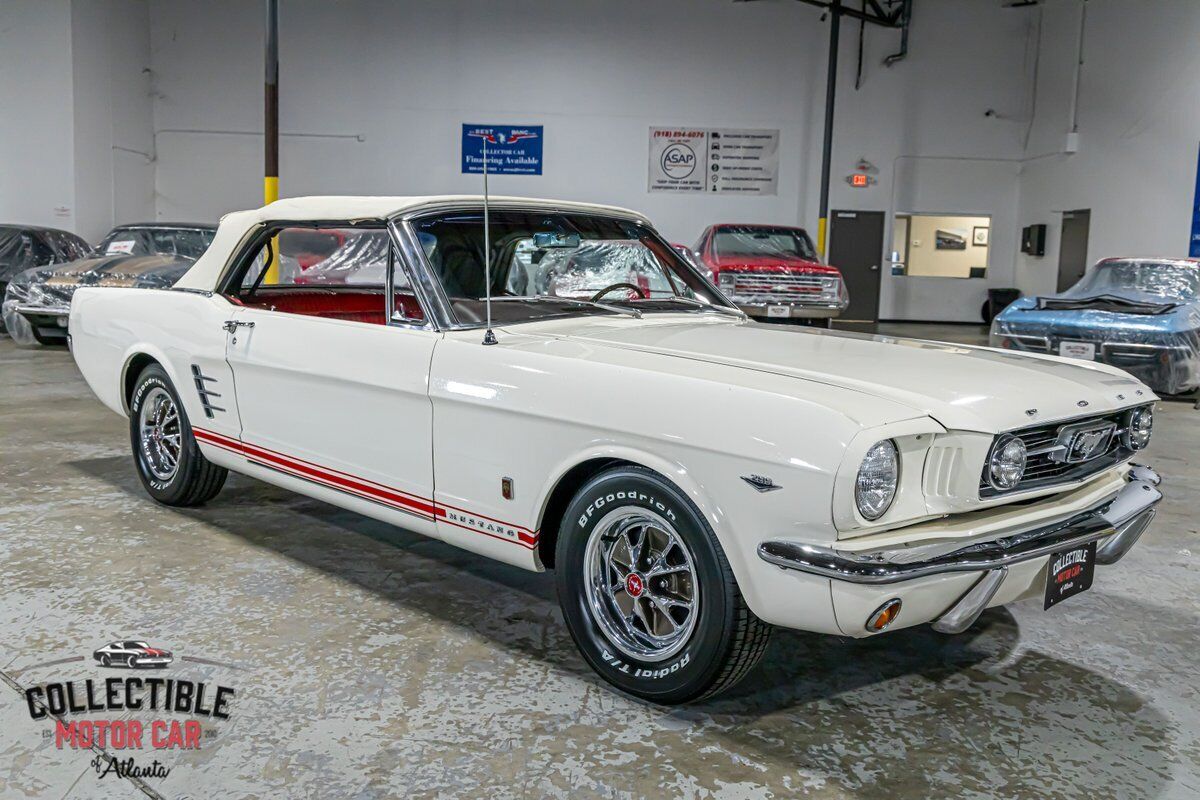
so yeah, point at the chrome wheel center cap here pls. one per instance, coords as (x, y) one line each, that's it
(634, 585)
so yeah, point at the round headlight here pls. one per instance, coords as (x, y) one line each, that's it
(1006, 466)
(1139, 428)
(878, 475)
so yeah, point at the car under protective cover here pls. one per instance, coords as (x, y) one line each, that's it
(1139, 314)
(144, 255)
(25, 247)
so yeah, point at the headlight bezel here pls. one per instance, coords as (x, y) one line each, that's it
(872, 513)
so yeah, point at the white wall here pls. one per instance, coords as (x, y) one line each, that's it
(113, 115)
(1139, 130)
(36, 128)
(405, 76)
(75, 96)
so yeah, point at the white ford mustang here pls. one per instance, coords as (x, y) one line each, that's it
(692, 477)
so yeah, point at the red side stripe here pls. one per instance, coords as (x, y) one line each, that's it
(360, 487)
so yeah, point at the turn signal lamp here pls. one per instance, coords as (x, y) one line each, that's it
(884, 615)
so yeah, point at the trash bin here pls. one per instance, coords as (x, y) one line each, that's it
(998, 300)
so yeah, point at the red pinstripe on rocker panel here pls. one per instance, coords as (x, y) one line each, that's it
(370, 490)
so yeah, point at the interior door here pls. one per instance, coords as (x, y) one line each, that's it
(856, 248)
(1072, 251)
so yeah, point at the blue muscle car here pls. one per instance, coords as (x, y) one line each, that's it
(1139, 314)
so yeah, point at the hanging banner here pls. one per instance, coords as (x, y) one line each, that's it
(511, 149)
(1194, 243)
(714, 160)
(743, 161)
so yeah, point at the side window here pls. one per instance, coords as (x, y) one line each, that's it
(328, 271)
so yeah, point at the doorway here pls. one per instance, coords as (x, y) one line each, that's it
(856, 248)
(1072, 250)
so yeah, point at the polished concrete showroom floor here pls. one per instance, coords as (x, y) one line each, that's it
(369, 662)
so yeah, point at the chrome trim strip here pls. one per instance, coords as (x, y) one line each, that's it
(425, 285)
(1112, 519)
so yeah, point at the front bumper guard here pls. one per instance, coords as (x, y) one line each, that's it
(1116, 524)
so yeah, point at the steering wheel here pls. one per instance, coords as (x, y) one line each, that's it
(641, 295)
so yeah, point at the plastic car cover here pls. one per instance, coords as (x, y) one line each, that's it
(16, 255)
(580, 272)
(361, 260)
(33, 288)
(765, 241)
(26, 287)
(1142, 315)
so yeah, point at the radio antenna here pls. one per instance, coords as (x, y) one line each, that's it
(488, 337)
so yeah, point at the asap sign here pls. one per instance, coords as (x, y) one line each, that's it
(677, 160)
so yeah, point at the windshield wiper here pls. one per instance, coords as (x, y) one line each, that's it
(733, 312)
(541, 298)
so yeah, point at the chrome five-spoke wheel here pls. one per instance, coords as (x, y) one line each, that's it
(641, 583)
(160, 434)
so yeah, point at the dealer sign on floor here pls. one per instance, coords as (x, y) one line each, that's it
(511, 149)
(720, 160)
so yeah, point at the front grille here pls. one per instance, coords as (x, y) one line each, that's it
(1041, 470)
(779, 287)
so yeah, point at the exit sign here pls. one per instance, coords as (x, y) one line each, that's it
(859, 180)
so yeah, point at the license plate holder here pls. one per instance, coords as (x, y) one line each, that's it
(779, 311)
(1069, 573)
(1081, 350)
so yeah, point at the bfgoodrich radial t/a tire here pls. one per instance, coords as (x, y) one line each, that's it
(647, 593)
(168, 460)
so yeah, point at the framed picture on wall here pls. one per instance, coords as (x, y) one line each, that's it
(950, 240)
(979, 236)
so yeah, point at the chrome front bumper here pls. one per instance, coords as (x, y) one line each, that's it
(44, 311)
(1116, 524)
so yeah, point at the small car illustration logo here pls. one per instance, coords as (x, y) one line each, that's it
(132, 653)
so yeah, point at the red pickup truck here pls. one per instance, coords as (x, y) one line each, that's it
(772, 271)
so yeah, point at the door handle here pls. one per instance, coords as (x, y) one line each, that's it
(231, 325)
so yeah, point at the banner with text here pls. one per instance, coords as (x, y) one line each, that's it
(714, 160)
(511, 149)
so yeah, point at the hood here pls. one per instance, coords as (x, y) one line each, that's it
(768, 263)
(120, 270)
(962, 387)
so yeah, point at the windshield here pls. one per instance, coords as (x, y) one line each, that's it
(543, 264)
(753, 240)
(1171, 280)
(182, 242)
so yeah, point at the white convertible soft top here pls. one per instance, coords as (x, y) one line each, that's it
(234, 225)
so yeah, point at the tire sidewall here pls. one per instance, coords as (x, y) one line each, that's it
(689, 672)
(164, 491)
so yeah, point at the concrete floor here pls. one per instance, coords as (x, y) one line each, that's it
(369, 662)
